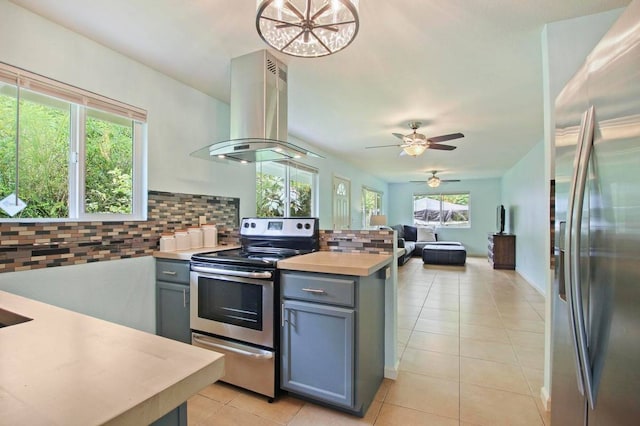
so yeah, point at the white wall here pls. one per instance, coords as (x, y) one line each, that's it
(120, 291)
(526, 198)
(484, 198)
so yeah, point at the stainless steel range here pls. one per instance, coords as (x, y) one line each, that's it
(234, 295)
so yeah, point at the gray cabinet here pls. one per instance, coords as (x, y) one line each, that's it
(332, 340)
(176, 417)
(318, 351)
(172, 300)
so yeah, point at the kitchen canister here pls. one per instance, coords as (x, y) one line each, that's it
(195, 237)
(167, 242)
(182, 239)
(210, 234)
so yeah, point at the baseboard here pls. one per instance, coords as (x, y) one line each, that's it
(392, 372)
(546, 399)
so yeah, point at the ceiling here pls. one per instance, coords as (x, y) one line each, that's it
(457, 66)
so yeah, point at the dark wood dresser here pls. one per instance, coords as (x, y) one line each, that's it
(502, 251)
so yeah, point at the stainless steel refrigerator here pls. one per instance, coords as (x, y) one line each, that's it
(596, 295)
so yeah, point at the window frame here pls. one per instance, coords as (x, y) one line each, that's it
(79, 101)
(378, 211)
(286, 191)
(442, 224)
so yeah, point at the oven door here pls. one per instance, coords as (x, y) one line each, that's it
(230, 306)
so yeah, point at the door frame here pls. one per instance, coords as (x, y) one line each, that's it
(333, 200)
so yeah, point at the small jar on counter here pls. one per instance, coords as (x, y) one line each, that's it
(195, 237)
(182, 239)
(167, 242)
(210, 234)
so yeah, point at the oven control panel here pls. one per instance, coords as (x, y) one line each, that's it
(279, 226)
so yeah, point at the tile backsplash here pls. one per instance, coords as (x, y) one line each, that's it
(357, 241)
(26, 246)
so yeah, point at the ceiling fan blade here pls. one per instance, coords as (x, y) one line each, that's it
(381, 146)
(441, 181)
(443, 138)
(441, 146)
(398, 135)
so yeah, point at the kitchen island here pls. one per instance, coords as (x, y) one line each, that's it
(333, 327)
(62, 367)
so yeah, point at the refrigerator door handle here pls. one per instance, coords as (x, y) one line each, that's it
(580, 187)
(569, 255)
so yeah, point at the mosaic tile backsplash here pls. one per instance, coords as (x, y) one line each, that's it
(26, 246)
(357, 241)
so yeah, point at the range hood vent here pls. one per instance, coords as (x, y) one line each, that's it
(258, 114)
(252, 150)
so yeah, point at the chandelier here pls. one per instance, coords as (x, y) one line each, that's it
(307, 28)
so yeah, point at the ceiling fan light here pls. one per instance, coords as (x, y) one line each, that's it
(327, 27)
(433, 181)
(414, 149)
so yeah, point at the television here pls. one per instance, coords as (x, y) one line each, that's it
(500, 219)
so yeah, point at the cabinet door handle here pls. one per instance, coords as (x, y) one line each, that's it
(314, 290)
(169, 272)
(184, 297)
(282, 320)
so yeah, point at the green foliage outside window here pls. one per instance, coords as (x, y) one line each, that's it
(43, 157)
(271, 197)
(300, 199)
(109, 167)
(372, 204)
(44, 150)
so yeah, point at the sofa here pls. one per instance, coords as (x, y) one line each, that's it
(414, 240)
(413, 243)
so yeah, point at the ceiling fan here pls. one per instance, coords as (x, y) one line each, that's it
(434, 181)
(416, 143)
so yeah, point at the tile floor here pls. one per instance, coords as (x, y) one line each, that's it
(470, 342)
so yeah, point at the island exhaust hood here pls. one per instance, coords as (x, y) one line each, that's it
(258, 114)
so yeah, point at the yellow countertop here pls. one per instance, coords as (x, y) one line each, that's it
(186, 254)
(66, 368)
(359, 264)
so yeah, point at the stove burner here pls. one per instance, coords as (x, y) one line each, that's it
(263, 245)
(253, 256)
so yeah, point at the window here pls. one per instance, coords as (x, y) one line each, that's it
(371, 204)
(441, 209)
(286, 189)
(68, 154)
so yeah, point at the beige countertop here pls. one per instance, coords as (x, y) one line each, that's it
(186, 254)
(360, 264)
(65, 368)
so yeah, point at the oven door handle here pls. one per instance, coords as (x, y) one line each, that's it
(261, 355)
(244, 274)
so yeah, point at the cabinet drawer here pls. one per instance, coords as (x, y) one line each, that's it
(176, 271)
(319, 288)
